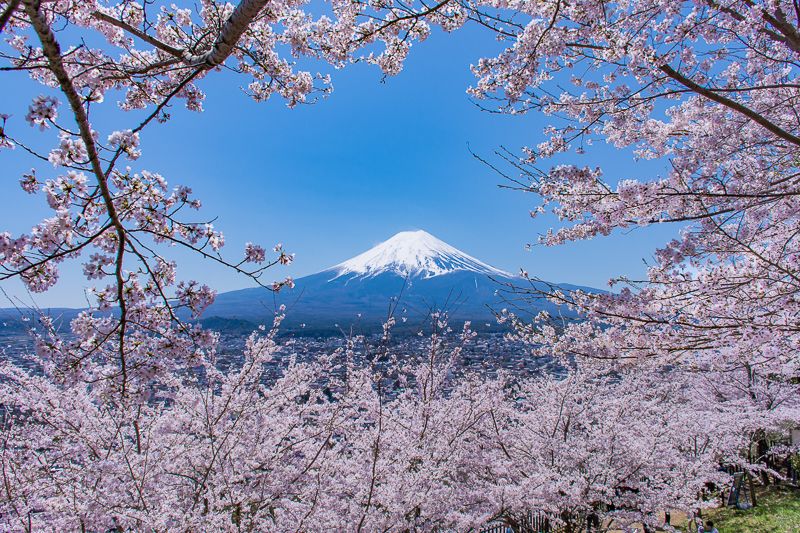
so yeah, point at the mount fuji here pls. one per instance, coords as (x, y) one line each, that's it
(412, 274)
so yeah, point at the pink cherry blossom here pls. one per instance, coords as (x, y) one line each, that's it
(42, 111)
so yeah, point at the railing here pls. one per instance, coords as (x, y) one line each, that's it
(532, 522)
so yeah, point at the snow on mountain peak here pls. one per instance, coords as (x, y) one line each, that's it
(413, 253)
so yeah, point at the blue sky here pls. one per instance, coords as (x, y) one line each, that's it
(330, 180)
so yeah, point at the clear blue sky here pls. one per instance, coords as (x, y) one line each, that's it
(330, 180)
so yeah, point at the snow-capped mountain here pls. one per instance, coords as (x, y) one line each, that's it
(410, 274)
(413, 254)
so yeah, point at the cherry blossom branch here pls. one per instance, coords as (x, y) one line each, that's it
(727, 102)
(53, 53)
(171, 50)
(5, 16)
(236, 25)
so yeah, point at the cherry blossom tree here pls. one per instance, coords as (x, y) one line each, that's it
(126, 418)
(614, 446)
(708, 88)
(328, 443)
(113, 216)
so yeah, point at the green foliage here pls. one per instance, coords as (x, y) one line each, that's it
(778, 511)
